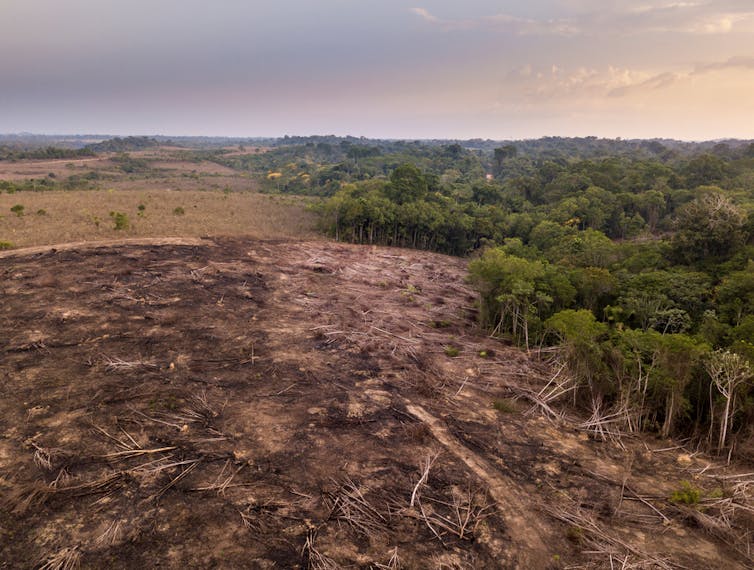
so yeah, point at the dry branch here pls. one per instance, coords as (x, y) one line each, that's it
(728, 517)
(222, 484)
(66, 559)
(425, 466)
(26, 497)
(349, 504)
(464, 514)
(138, 452)
(393, 563)
(114, 364)
(315, 560)
(603, 425)
(45, 457)
(193, 463)
(598, 542)
(111, 534)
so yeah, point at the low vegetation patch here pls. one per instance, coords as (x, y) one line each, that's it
(687, 494)
(504, 405)
(452, 351)
(120, 220)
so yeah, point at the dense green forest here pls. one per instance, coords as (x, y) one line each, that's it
(629, 263)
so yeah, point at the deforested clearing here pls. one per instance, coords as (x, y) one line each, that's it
(229, 403)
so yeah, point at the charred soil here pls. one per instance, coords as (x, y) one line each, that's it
(230, 403)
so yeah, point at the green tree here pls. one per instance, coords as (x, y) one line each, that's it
(579, 335)
(709, 228)
(677, 357)
(703, 170)
(514, 292)
(729, 372)
(407, 184)
(595, 287)
(735, 295)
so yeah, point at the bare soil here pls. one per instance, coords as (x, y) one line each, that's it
(235, 403)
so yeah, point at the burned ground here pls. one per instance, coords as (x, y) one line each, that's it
(246, 404)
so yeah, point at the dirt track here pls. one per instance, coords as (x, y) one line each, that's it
(246, 404)
(88, 245)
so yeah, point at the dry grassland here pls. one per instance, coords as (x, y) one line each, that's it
(85, 215)
(61, 168)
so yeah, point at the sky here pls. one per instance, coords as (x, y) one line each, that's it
(411, 69)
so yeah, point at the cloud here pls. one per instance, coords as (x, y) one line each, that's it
(554, 83)
(737, 62)
(668, 79)
(501, 22)
(425, 15)
(692, 18)
(609, 17)
(659, 81)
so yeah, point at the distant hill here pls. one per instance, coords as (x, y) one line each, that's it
(44, 153)
(126, 144)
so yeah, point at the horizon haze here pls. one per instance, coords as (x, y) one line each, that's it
(391, 69)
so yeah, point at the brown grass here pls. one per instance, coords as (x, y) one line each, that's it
(84, 215)
(61, 168)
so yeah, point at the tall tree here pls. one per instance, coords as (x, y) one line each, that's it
(729, 372)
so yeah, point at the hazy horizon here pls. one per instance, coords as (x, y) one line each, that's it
(350, 135)
(392, 70)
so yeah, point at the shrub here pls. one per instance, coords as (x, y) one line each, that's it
(41, 212)
(18, 209)
(120, 220)
(179, 211)
(687, 494)
(5, 245)
(409, 293)
(452, 351)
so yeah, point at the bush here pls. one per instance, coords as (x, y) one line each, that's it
(120, 220)
(41, 212)
(18, 209)
(6, 245)
(179, 211)
(687, 494)
(452, 351)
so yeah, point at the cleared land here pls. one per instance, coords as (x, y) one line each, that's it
(246, 404)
